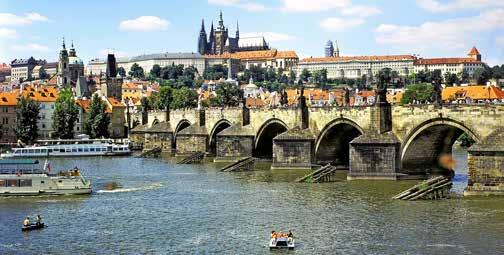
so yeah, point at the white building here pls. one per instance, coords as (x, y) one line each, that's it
(97, 66)
(357, 66)
(451, 65)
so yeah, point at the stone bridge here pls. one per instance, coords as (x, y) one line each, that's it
(375, 142)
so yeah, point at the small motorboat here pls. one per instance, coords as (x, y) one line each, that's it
(33, 227)
(281, 243)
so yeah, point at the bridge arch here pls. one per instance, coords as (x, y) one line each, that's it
(333, 143)
(218, 127)
(264, 138)
(425, 144)
(183, 124)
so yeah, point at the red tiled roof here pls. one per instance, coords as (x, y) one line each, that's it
(8, 98)
(254, 55)
(473, 92)
(473, 52)
(441, 61)
(41, 93)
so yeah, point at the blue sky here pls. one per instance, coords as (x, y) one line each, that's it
(431, 28)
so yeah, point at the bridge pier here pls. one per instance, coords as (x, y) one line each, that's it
(486, 166)
(376, 153)
(194, 138)
(160, 135)
(294, 149)
(234, 142)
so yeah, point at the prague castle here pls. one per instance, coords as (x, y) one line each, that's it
(218, 41)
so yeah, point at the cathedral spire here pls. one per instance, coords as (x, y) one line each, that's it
(237, 30)
(336, 51)
(64, 47)
(221, 22)
(202, 25)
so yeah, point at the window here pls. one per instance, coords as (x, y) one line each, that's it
(12, 183)
(92, 149)
(25, 183)
(74, 149)
(2, 183)
(80, 149)
(86, 149)
(30, 150)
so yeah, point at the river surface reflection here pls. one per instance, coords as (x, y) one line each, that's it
(163, 208)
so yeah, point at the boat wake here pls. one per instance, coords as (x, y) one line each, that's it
(121, 190)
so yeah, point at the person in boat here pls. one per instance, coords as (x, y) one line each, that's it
(38, 220)
(290, 236)
(274, 235)
(26, 221)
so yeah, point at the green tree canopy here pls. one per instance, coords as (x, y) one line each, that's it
(136, 71)
(66, 113)
(27, 116)
(156, 71)
(121, 71)
(305, 75)
(228, 94)
(482, 75)
(98, 119)
(420, 92)
(184, 98)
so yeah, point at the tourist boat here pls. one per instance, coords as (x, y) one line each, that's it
(26, 178)
(70, 148)
(33, 227)
(281, 243)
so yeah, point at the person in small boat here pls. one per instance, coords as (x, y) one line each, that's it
(26, 222)
(38, 220)
(273, 235)
(290, 236)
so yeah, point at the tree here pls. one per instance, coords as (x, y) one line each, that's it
(215, 72)
(482, 75)
(136, 71)
(305, 75)
(417, 92)
(184, 98)
(292, 78)
(227, 95)
(98, 119)
(65, 115)
(450, 79)
(121, 71)
(156, 71)
(463, 77)
(27, 116)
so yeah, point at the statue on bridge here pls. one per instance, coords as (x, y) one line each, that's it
(384, 77)
(347, 97)
(436, 97)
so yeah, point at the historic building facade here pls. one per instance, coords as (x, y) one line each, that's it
(22, 69)
(98, 66)
(451, 65)
(70, 67)
(358, 66)
(219, 42)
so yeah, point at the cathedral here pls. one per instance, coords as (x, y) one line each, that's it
(218, 41)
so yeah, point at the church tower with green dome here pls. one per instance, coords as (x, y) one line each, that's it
(70, 67)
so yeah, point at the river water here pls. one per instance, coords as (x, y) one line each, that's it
(164, 208)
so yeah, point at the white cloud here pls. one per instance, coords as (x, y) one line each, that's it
(361, 10)
(450, 34)
(339, 24)
(242, 4)
(7, 19)
(145, 23)
(437, 6)
(271, 36)
(313, 5)
(7, 33)
(30, 47)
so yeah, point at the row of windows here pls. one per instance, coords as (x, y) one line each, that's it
(16, 183)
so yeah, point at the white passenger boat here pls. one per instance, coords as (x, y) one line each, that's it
(281, 243)
(70, 148)
(27, 178)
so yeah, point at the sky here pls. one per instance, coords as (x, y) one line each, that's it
(428, 28)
